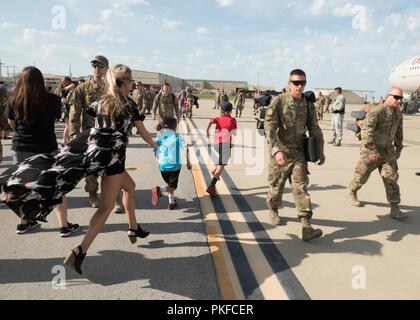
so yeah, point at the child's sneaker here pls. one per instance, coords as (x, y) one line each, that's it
(173, 206)
(212, 192)
(156, 195)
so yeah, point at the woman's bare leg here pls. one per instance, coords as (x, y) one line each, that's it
(61, 213)
(129, 188)
(110, 186)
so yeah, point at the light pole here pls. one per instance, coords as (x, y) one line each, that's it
(258, 81)
(14, 74)
(1, 67)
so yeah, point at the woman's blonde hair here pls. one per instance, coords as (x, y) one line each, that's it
(114, 100)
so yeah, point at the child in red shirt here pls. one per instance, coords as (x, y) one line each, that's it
(225, 128)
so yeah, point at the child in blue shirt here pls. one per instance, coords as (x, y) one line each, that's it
(170, 163)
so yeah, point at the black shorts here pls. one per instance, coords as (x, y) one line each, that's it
(224, 153)
(171, 178)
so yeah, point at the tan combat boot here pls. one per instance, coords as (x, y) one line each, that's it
(274, 217)
(397, 214)
(93, 199)
(352, 197)
(309, 233)
(337, 143)
(332, 141)
(119, 208)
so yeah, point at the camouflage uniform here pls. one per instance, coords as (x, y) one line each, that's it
(327, 104)
(139, 97)
(223, 97)
(149, 97)
(165, 106)
(383, 134)
(239, 104)
(337, 119)
(286, 123)
(216, 100)
(84, 95)
(320, 103)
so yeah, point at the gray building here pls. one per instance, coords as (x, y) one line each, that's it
(212, 85)
(156, 80)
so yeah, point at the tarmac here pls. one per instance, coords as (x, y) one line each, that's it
(226, 248)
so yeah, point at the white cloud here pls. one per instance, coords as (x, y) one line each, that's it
(202, 31)
(125, 4)
(31, 35)
(413, 23)
(170, 24)
(225, 3)
(394, 19)
(197, 55)
(109, 14)
(317, 7)
(345, 11)
(111, 38)
(149, 17)
(9, 25)
(85, 29)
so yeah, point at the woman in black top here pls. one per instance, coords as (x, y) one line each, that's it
(32, 112)
(43, 181)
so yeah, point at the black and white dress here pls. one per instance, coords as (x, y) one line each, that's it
(33, 188)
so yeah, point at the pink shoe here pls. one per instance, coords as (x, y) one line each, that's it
(156, 195)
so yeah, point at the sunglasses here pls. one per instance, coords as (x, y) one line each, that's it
(299, 83)
(397, 97)
(98, 65)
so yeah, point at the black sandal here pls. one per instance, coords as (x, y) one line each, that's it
(139, 233)
(75, 260)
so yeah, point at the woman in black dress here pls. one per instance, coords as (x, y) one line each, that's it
(40, 183)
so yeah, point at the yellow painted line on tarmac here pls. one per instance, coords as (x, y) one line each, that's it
(269, 285)
(229, 285)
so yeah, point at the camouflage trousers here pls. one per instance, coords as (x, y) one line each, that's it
(320, 112)
(337, 126)
(239, 110)
(297, 170)
(92, 184)
(388, 169)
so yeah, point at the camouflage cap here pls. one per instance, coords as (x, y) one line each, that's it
(102, 60)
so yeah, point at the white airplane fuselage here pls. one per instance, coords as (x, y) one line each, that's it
(407, 75)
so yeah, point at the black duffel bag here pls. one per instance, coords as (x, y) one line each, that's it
(312, 149)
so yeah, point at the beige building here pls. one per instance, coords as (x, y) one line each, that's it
(212, 85)
(352, 96)
(156, 80)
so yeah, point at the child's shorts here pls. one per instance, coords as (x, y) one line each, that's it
(171, 178)
(224, 153)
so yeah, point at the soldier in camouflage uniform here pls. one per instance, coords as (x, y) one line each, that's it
(382, 137)
(288, 118)
(239, 103)
(139, 97)
(84, 95)
(223, 97)
(149, 97)
(320, 103)
(165, 106)
(216, 100)
(327, 104)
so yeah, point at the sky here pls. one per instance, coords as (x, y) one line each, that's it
(354, 45)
